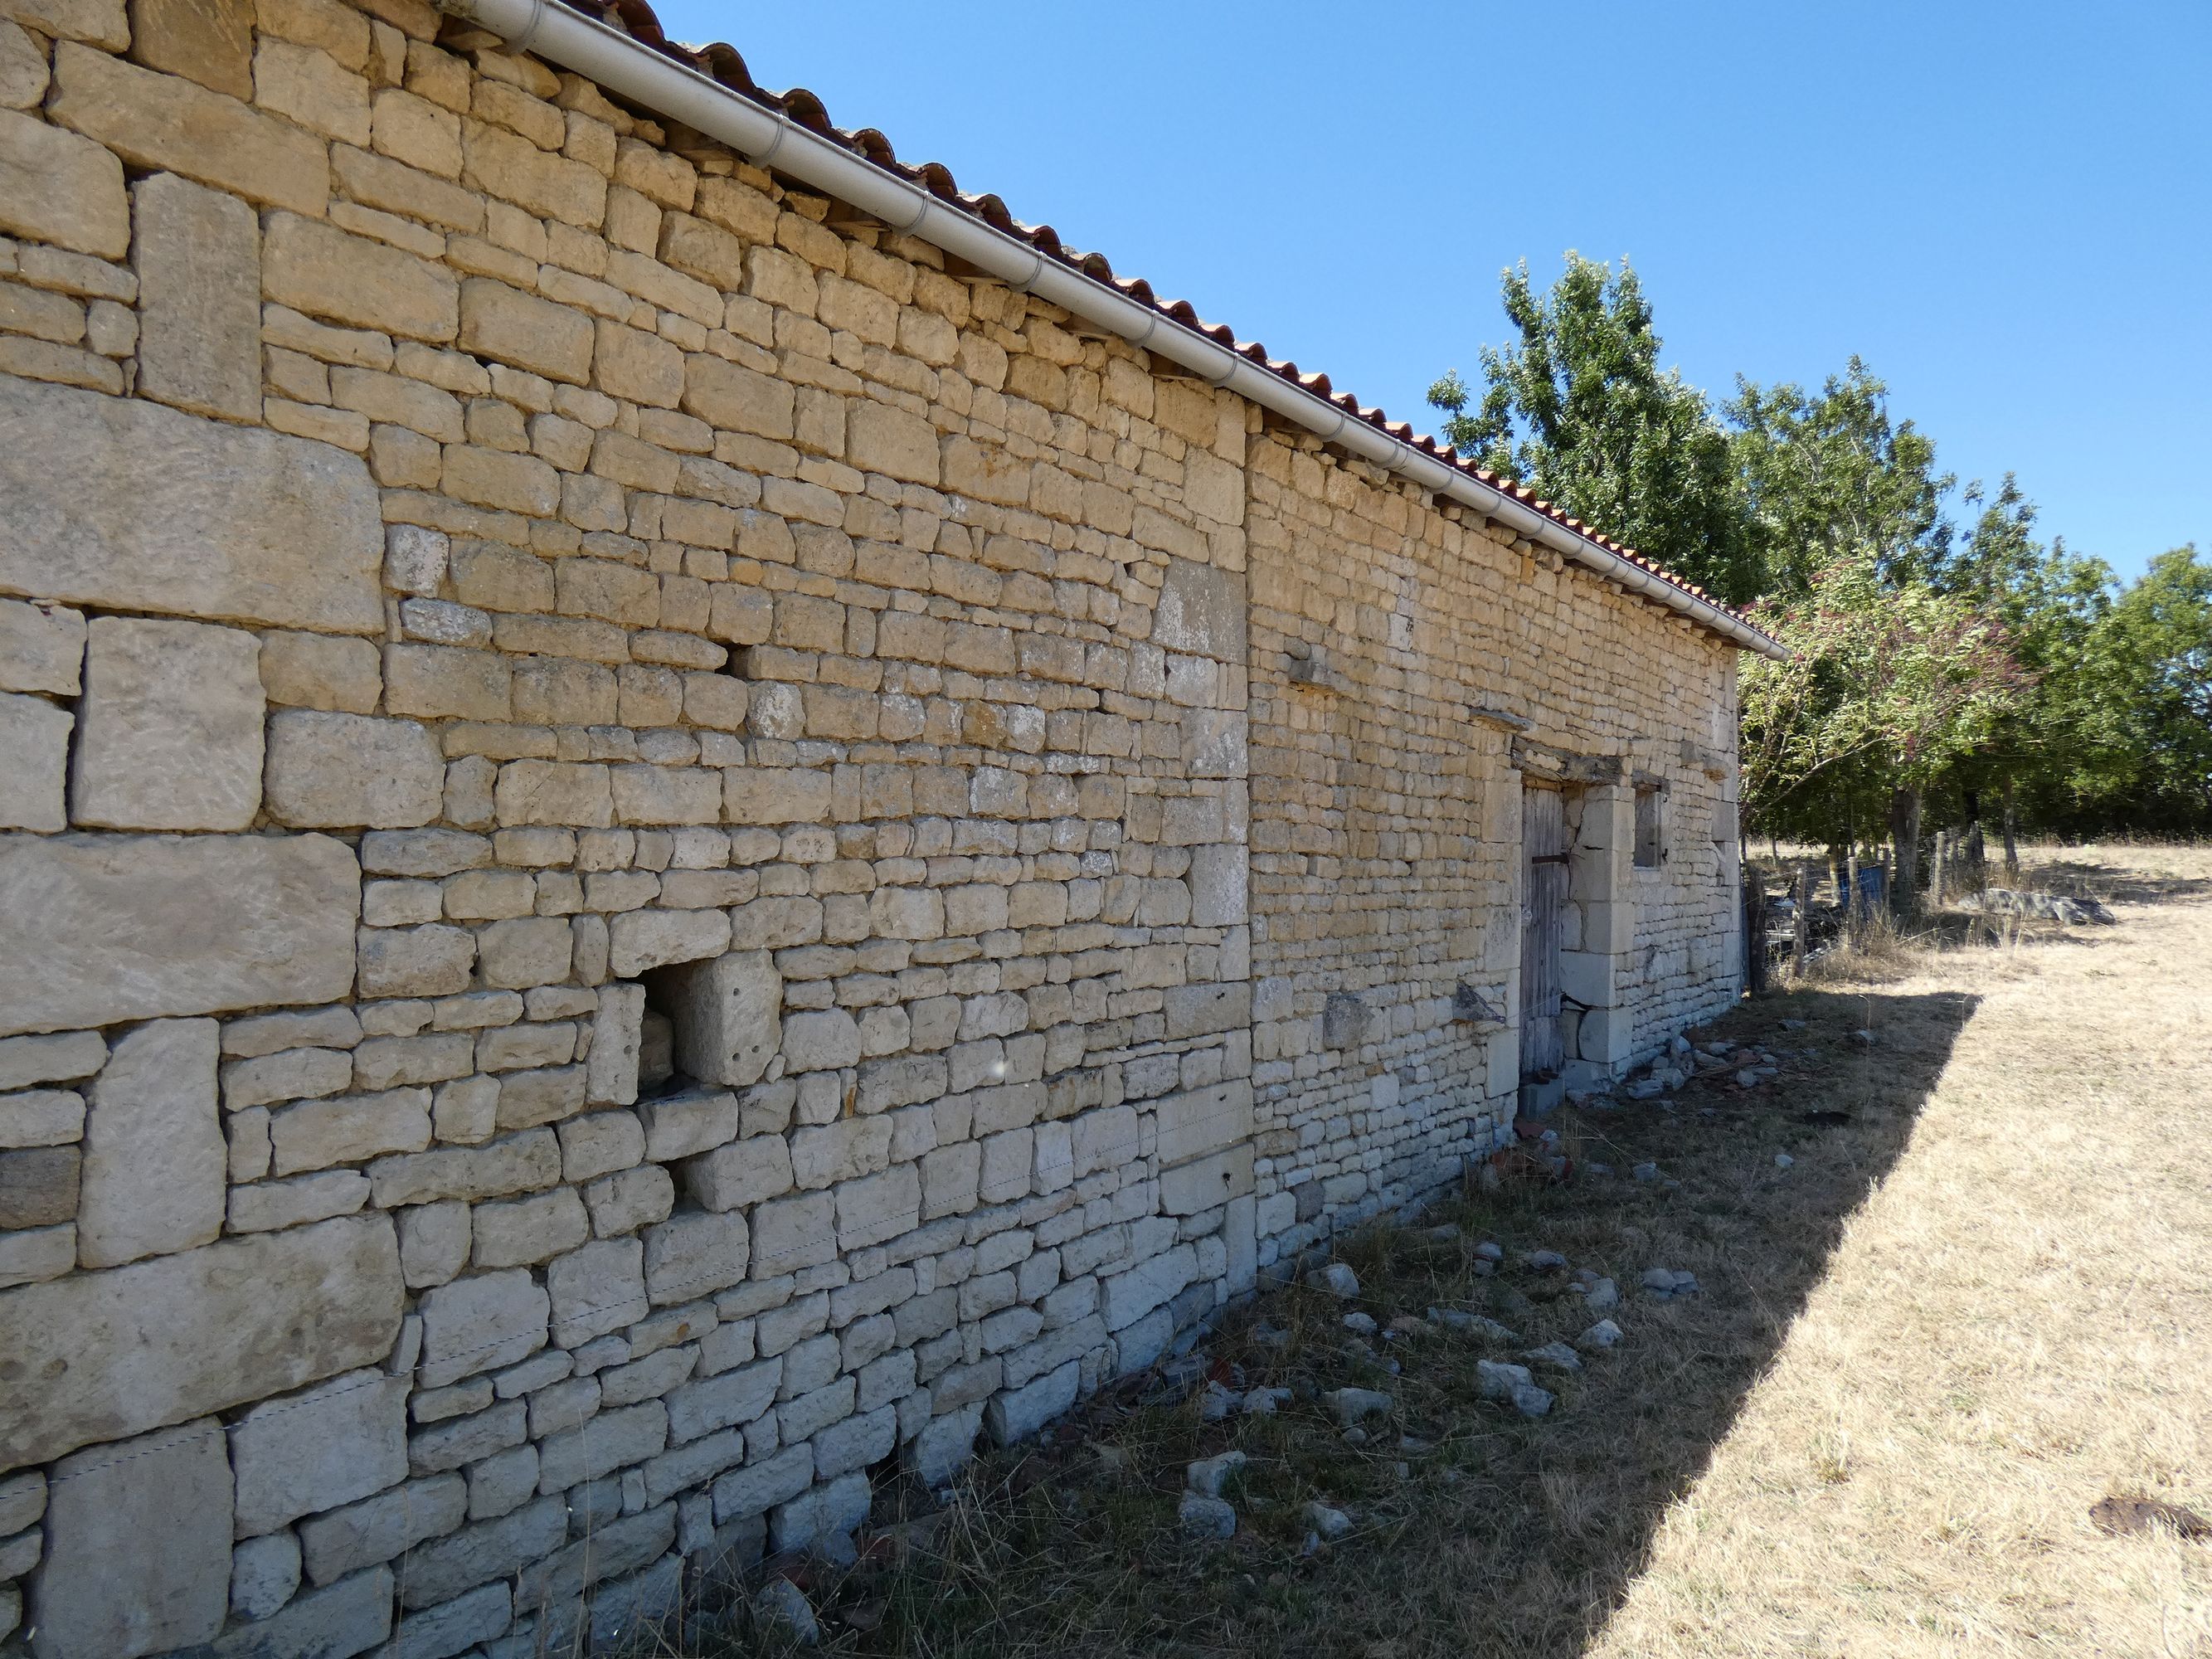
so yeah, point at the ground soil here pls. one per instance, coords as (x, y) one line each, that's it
(1976, 1305)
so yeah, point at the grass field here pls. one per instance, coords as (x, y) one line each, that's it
(1976, 1301)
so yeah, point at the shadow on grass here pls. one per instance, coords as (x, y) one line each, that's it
(1475, 1531)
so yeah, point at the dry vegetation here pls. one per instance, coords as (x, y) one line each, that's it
(1962, 1316)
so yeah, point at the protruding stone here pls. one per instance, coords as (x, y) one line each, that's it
(172, 727)
(155, 1161)
(726, 1012)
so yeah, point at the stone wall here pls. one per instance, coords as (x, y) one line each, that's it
(626, 811)
(1407, 664)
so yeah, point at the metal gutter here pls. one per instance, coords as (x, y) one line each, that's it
(611, 57)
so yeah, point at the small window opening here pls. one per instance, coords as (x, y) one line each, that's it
(1650, 849)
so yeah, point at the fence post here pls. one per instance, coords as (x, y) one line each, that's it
(1754, 929)
(1802, 944)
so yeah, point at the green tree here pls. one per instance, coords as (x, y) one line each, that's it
(2139, 723)
(1888, 684)
(1580, 412)
(1830, 474)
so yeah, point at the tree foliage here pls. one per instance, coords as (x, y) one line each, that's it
(1938, 648)
(1580, 411)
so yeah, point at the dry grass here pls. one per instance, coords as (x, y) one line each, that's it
(1963, 1315)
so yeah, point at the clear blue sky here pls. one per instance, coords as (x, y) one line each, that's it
(2005, 208)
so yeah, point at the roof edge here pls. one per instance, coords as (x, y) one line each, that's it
(663, 77)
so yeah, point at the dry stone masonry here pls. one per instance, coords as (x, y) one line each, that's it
(661, 853)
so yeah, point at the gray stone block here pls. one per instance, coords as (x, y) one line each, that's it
(161, 1504)
(377, 1530)
(349, 1618)
(155, 1161)
(169, 726)
(102, 1355)
(198, 253)
(328, 771)
(34, 738)
(214, 922)
(340, 1441)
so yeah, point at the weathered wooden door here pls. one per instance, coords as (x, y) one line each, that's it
(1543, 898)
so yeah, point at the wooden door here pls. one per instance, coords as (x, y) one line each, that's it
(1543, 899)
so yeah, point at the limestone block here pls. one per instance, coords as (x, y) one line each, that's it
(1202, 1121)
(209, 41)
(198, 253)
(172, 734)
(58, 1059)
(1206, 1182)
(33, 1257)
(39, 1186)
(1202, 609)
(155, 1160)
(434, 1243)
(109, 1354)
(264, 1574)
(597, 1289)
(455, 1626)
(161, 1502)
(882, 438)
(348, 1129)
(316, 268)
(510, 326)
(331, 1444)
(878, 1208)
(820, 1040)
(623, 1203)
(1200, 1010)
(349, 1618)
(415, 962)
(521, 1232)
(42, 1117)
(489, 1550)
(156, 121)
(378, 1529)
(337, 770)
(771, 794)
(738, 399)
(121, 502)
(34, 738)
(42, 648)
(1219, 881)
(679, 1124)
(266, 1206)
(287, 1074)
(482, 1323)
(753, 1489)
(611, 1069)
(740, 1174)
(525, 951)
(695, 1255)
(1018, 1413)
(641, 940)
(58, 187)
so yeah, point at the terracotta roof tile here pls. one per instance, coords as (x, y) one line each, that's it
(727, 65)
